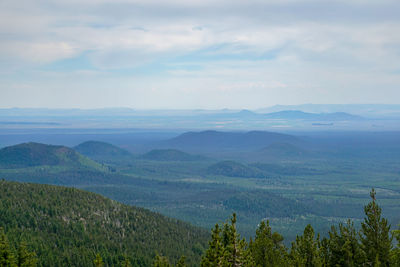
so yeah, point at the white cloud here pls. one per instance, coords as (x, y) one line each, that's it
(268, 48)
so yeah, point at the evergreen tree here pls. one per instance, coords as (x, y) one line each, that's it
(234, 247)
(6, 256)
(227, 248)
(267, 248)
(214, 252)
(375, 240)
(306, 250)
(181, 262)
(24, 257)
(343, 246)
(98, 261)
(395, 254)
(126, 263)
(161, 261)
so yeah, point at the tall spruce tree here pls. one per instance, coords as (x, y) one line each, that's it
(343, 247)
(306, 250)
(214, 253)
(181, 262)
(395, 257)
(98, 261)
(161, 261)
(375, 235)
(267, 248)
(226, 248)
(7, 258)
(25, 258)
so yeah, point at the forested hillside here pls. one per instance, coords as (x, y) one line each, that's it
(56, 226)
(36, 154)
(103, 152)
(68, 227)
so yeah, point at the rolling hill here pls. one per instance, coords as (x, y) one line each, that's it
(68, 227)
(104, 152)
(36, 154)
(40, 163)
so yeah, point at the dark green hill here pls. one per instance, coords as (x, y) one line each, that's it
(35, 154)
(234, 169)
(170, 155)
(101, 151)
(67, 227)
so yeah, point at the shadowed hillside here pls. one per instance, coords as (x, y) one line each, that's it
(101, 151)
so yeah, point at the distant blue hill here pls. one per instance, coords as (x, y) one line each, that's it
(300, 115)
(215, 140)
(101, 151)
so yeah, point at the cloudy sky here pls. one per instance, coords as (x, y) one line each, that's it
(198, 53)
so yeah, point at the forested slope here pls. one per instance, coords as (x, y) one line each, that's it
(68, 227)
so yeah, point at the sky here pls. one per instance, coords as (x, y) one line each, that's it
(172, 54)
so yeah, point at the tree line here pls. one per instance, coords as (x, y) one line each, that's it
(345, 246)
(372, 245)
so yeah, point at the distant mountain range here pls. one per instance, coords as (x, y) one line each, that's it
(277, 117)
(300, 115)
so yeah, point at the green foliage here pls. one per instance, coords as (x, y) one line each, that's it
(306, 250)
(170, 155)
(68, 227)
(343, 247)
(161, 261)
(395, 255)
(24, 257)
(98, 261)
(103, 152)
(267, 248)
(7, 258)
(181, 262)
(375, 239)
(35, 154)
(226, 248)
(234, 169)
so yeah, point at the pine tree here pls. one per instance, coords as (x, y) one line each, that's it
(267, 248)
(98, 261)
(6, 256)
(375, 239)
(226, 248)
(126, 262)
(343, 246)
(161, 261)
(181, 262)
(306, 250)
(395, 254)
(24, 257)
(214, 252)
